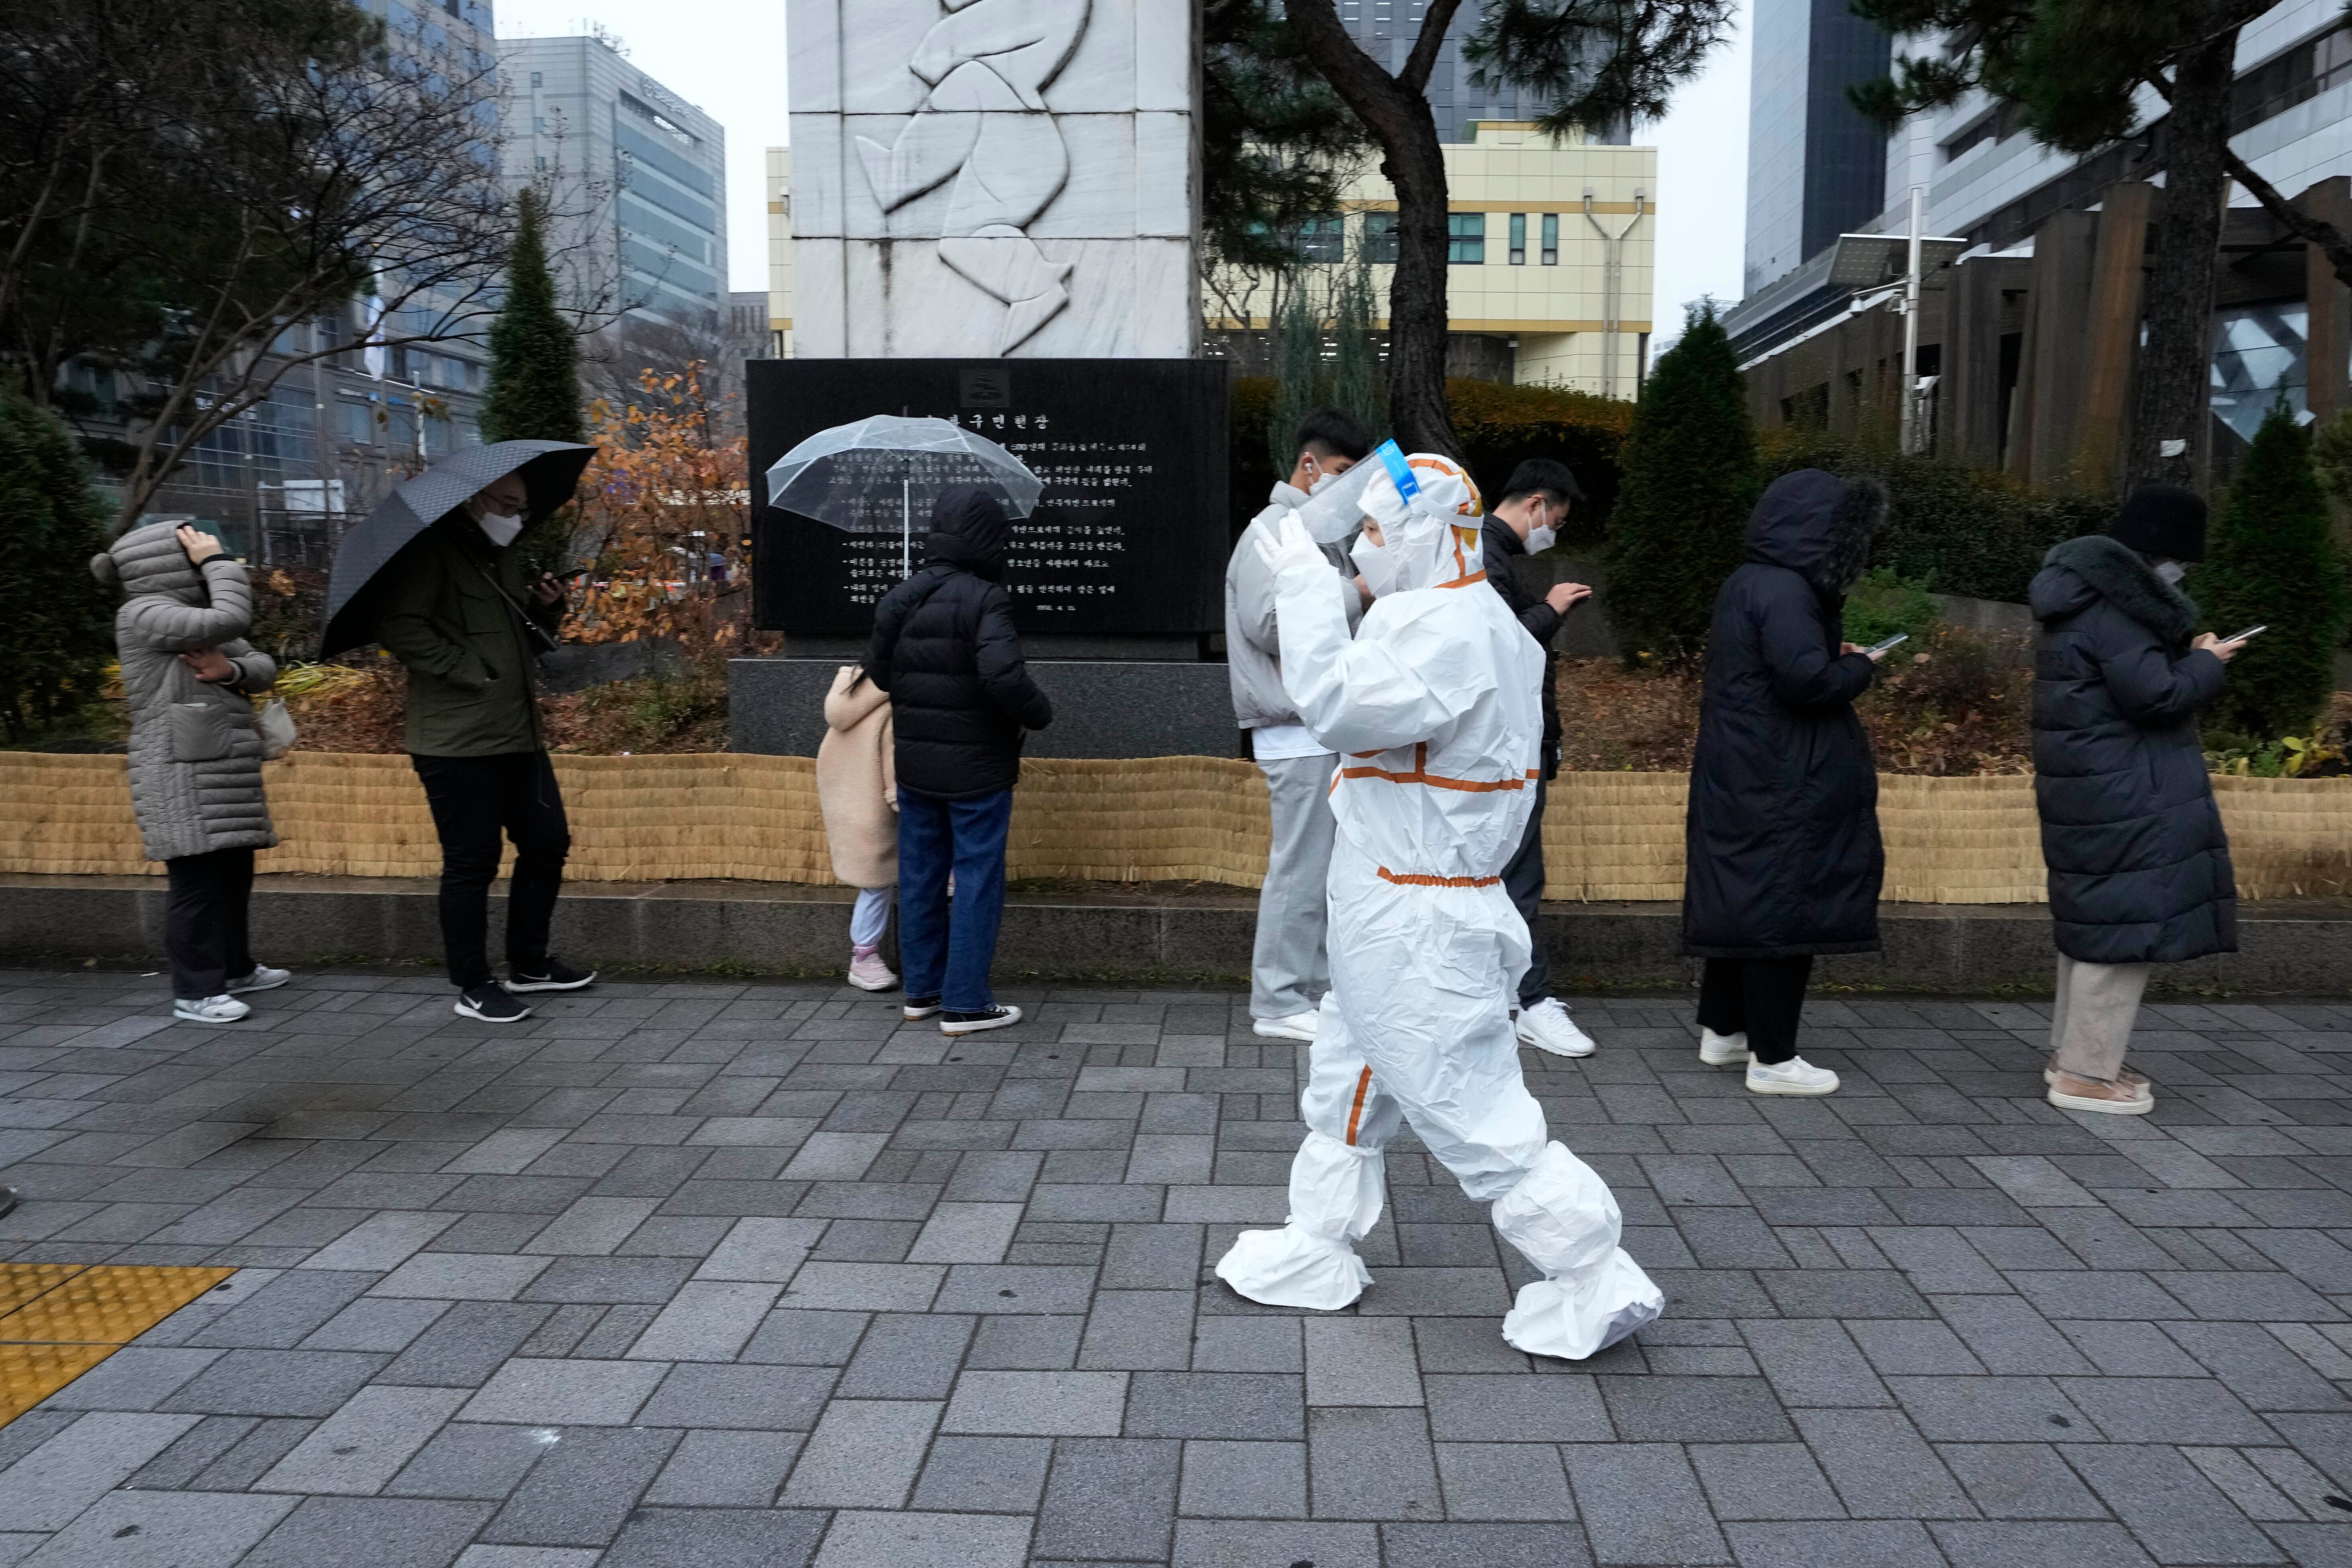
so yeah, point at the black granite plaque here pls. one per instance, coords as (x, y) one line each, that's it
(1128, 540)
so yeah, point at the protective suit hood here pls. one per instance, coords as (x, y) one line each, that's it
(1429, 511)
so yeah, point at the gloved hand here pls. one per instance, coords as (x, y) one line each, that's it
(1289, 555)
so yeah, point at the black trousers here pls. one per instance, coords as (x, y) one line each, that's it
(1523, 878)
(476, 800)
(1763, 997)
(203, 921)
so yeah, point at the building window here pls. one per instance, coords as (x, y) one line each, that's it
(1551, 239)
(1380, 238)
(358, 423)
(540, 163)
(1322, 239)
(536, 77)
(1519, 239)
(539, 125)
(1466, 239)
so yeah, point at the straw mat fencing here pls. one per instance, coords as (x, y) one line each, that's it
(1606, 836)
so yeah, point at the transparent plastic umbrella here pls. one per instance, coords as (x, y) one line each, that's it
(879, 474)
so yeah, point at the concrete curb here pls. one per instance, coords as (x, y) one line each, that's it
(2300, 949)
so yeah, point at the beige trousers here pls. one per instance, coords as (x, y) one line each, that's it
(2092, 1021)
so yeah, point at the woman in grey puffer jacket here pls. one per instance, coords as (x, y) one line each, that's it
(196, 753)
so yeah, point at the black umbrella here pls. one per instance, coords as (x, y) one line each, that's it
(550, 471)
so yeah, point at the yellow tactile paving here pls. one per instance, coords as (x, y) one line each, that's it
(109, 1305)
(59, 1319)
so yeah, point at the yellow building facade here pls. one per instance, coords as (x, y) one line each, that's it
(1551, 251)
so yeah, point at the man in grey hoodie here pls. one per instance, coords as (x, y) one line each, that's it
(1288, 970)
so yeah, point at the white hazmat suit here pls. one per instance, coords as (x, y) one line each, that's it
(1435, 709)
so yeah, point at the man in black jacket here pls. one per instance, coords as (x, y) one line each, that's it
(960, 696)
(1524, 522)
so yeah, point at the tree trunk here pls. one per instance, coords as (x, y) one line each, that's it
(2329, 239)
(1398, 115)
(2171, 401)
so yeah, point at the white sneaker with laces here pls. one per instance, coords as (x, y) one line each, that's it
(1795, 1075)
(1297, 1026)
(1721, 1050)
(263, 978)
(221, 1009)
(868, 972)
(1548, 1027)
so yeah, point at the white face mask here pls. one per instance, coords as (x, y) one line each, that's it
(500, 528)
(1322, 478)
(2171, 570)
(1378, 565)
(1539, 538)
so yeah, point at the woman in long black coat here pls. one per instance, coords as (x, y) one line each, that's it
(2139, 867)
(1781, 853)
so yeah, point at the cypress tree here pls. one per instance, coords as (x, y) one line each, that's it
(2271, 561)
(1689, 479)
(534, 393)
(56, 624)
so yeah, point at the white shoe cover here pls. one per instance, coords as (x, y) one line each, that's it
(1335, 1192)
(1563, 1218)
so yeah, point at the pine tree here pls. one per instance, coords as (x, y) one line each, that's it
(1689, 479)
(534, 393)
(2271, 561)
(56, 624)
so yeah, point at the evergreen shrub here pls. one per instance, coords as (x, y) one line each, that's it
(57, 623)
(2272, 560)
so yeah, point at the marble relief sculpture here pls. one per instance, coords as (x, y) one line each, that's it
(986, 126)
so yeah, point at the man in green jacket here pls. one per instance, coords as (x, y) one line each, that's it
(468, 628)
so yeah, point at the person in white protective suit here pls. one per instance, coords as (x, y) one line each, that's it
(1436, 710)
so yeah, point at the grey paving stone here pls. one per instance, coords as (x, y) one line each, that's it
(369, 1533)
(1139, 1330)
(724, 1469)
(1810, 1361)
(1880, 1467)
(1238, 1406)
(1490, 1545)
(1362, 1361)
(468, 1342)
(923, 1540)
(1248, 1480)
(2002, 1546)
(771, 1398)
(1503, 1481)
(1693, 1410)
(47, 1489)
(582, 1489)
(469, 1460)
(359, 1449)
(1764, 1481)
(164, 1530)
(865, 1453)
(281, 1312)
(2256, 1368)
(1560, 1409)
(985, 1474)
(2166, 1410)
(907, 1357)
(1641, 1504)
(1259, 1543)
(368, 1324)
(707, 1320)
(716, 1538)
(1372, 1463)
(1109, 1497)
(1887, 1544)
(566, 1393)
(134, 1378)
(460, 1277)
(1247, 1344)
(1988, 1409)
(1024, 1345)
(1038, 1404)
(2019, 1480)
(276, 1383)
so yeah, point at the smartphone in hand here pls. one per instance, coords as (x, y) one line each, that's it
(2249, 632)
(1875, 649)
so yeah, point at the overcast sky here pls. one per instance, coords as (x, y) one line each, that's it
(727, 57)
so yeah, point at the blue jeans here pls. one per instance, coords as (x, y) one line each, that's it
(947, 954)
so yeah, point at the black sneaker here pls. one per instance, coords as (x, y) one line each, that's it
(491, 1005)
(974, 1023)
(553, 976)
(921, 1008)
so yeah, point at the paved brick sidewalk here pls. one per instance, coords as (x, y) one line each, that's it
(746, 1275)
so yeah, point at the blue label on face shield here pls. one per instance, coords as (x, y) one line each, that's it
(1400, 471)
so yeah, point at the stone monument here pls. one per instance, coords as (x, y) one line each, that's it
(983, 178)
(995, 208)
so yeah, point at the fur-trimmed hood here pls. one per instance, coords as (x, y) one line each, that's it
(2079, 571)
(1819, 526)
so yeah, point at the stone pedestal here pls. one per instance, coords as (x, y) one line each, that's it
(1102, 708)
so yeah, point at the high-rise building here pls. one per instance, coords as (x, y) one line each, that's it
(637, 178)
(1386, 29)
(1816, 167)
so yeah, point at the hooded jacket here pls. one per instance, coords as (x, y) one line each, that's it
(195, 756)
(857, 791)
(2139, 866)
(1782, 854)
(454, 617)
(1500, 546)
(1253, 645)
(945, 652)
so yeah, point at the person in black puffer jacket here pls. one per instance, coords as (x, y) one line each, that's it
(945, 650)
(2139, 867)
(1782, 859)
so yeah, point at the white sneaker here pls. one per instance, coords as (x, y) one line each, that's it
(1721, 1050)
(868, 972)
(263, 978)
(1297, 1026)
(1795, 1075)
(1548, 1027)
(221, 1009)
